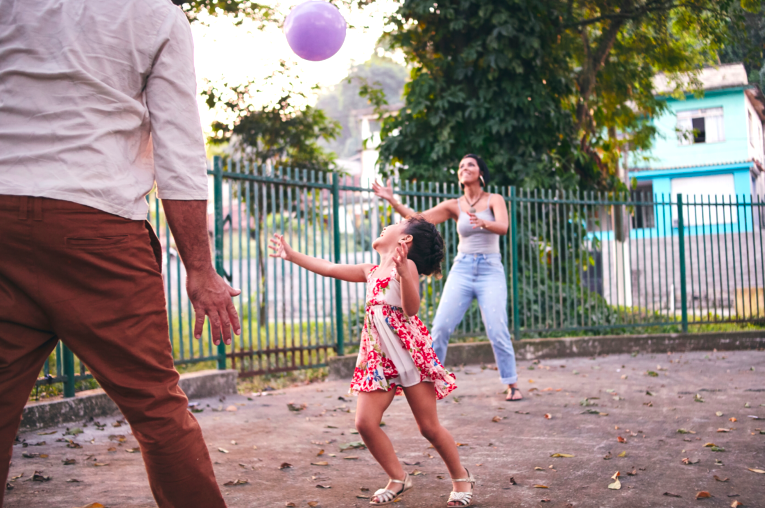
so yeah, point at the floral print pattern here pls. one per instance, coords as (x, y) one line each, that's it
(373, 368)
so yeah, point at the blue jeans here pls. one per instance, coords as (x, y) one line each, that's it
(480, 276)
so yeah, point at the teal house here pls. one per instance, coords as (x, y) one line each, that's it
(708, 149)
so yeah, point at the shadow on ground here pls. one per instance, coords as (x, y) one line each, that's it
(624, 401)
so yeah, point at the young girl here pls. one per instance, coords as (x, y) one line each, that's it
(395, 355)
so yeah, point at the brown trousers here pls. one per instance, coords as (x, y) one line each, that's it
(93, 280)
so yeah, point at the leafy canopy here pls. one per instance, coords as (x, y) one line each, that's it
(284, 132)
(550, 92)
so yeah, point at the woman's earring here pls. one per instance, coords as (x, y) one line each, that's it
(483, 183)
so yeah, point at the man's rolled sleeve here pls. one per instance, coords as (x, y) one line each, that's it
(179, 152)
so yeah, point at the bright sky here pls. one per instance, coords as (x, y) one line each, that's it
(235, 54)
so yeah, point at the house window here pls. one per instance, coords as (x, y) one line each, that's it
(700, 126)
(751, 129)
(642, 196)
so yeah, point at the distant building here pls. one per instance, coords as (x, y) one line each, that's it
(709, 148)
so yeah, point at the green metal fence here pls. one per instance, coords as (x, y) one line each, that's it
(576, 263)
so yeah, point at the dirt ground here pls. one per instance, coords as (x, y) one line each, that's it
(507, 446)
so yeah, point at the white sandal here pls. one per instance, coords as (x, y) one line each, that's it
(464, 498)
(387, 496)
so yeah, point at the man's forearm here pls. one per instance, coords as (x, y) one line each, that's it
(188, 222)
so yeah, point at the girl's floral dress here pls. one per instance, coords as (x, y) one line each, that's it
(395, 350)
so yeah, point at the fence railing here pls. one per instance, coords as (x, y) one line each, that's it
(575, 263)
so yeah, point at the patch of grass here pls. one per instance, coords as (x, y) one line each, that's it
(270, 382)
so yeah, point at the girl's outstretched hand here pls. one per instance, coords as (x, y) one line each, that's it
(383, 192)
(280, 248)
(400, 258)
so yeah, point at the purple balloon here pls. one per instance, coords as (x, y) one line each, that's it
(315, 30)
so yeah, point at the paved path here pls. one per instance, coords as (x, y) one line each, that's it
(495, 451)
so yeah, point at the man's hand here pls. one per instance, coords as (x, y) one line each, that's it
(208, 293)
(211, 296)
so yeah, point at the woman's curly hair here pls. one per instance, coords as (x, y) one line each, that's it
(427, 248)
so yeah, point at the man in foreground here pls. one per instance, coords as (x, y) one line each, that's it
(97, 103)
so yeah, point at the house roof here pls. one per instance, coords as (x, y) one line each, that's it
(693, 166)
(711, 78)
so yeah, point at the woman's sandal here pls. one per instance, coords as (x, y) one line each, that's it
(512, 393)
(464, 498)
(387, 496)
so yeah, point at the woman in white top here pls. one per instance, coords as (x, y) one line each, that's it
(477, 272)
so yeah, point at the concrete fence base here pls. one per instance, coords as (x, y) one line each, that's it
(95, 403)
(341, 367)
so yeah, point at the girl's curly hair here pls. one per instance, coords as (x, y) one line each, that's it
(427, 249)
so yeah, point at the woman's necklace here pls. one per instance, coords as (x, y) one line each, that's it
(472, 205)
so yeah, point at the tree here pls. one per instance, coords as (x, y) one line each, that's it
(549, 91)
(747, 44)
(340, 102)
(280, 132)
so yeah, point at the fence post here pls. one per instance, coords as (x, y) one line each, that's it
(681, 239)
(67, 365)
(218, 207)
(514, 246)
(338, 284)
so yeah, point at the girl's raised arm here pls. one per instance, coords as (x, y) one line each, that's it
(350, 273)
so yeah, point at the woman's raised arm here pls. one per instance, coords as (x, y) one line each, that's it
(436, 215)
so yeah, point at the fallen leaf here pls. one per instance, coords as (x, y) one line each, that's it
(238, 481)
(548, 416)
(416, 472)
(538, 468)
(222, 450)
(690, 462)
(623, 454)
(732, 419)
(617, 485)
(462, 444)
(719, 413)
(93, 505)
(651, 394)
(285, 465)
(652, 373)
(721, 479)
(621, 439)
(73, 480)
(717, 449)
(411, 463)
(538, 486)
(133, 450)
(697, 398)
(607, 456)
(561, 455)
(703, 494)
(47, 433)
(73, 432)
(497, 419)
(100, 464)
(38, 476)
(685, 431)
(359, 496)
(352, 446)
(544, 500)
(350, 458)
(632, 473)
(522, 412)
(313, 503)
(320, 486)
(723, 430)
(671, 494)
(760, 471)
(69, 462)
(736, 504)
(297, 407)
(707, 445)
(111, 449)
(289, 504)
(322, 463)
(512, 481)
(321, 452)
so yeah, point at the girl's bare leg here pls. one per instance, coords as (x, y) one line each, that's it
(369, 412)
(422, 400)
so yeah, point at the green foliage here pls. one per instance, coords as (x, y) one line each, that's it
(339, 103)
(550, 92)
(282, 132)
(237, 10)
(746, 43)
